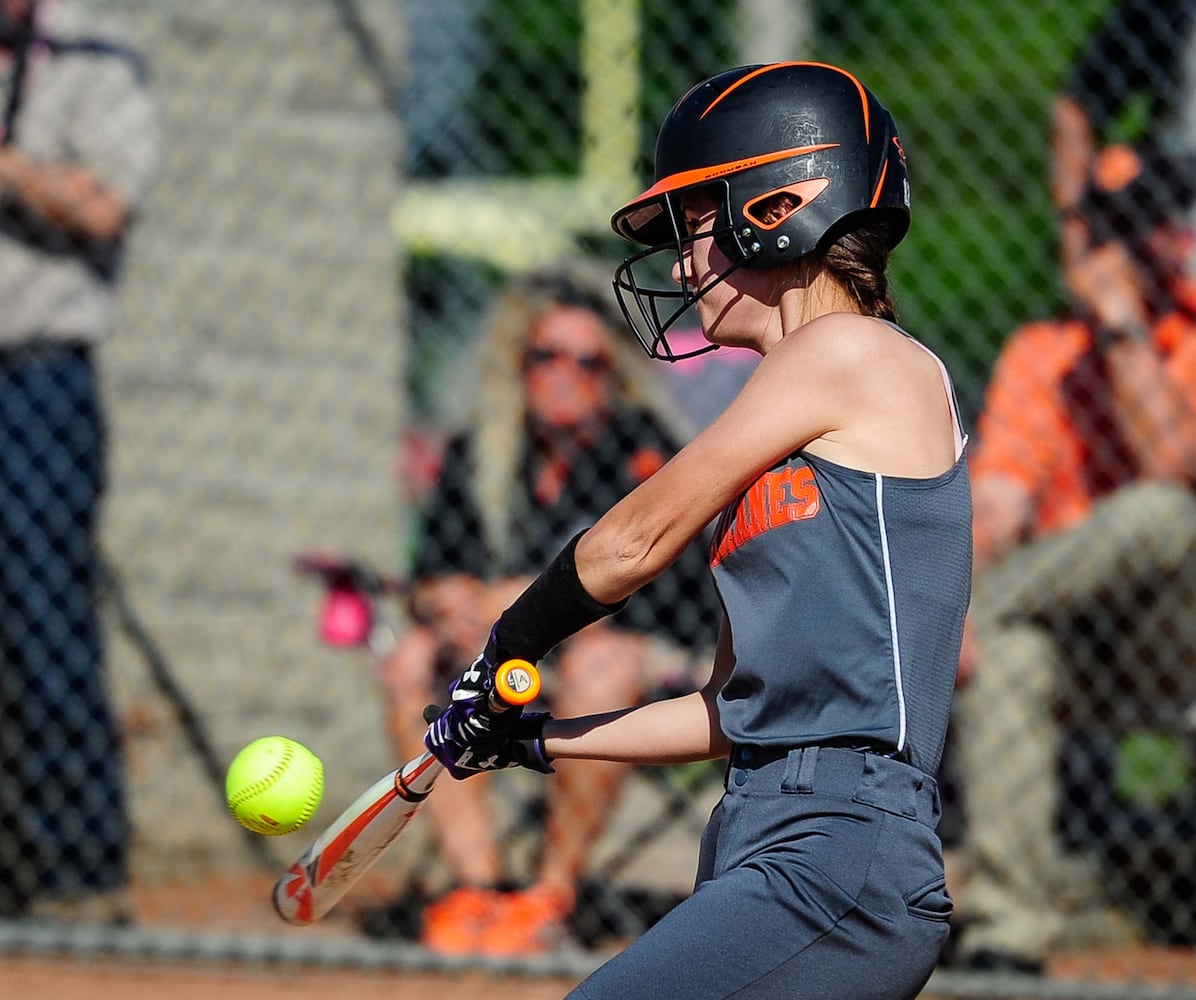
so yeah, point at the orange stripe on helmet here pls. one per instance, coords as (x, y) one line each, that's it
(784, 65)
(702, 175)
(880, 184)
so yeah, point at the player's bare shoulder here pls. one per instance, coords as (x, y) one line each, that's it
(874, 386)
(870, 350)
(840, 346)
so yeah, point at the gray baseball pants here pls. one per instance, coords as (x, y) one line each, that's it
(820, 878)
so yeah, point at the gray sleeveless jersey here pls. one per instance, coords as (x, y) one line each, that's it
(846, 593)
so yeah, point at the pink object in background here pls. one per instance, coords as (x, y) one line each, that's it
(346, 616)
(347, 611)
(691, 339)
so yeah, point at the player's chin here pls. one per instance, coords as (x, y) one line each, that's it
(722, 321)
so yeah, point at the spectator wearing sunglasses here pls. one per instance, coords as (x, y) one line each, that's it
(567, 418)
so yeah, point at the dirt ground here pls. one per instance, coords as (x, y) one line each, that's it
(239, 903)
(24, 979)
(44, 979)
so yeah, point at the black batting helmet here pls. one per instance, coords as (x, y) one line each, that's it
(807, 129)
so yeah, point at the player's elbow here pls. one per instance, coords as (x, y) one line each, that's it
(614, 561)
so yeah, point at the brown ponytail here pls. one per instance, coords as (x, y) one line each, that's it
(855, 256)
(857, 259)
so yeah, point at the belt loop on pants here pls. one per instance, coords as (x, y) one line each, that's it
(799, 770)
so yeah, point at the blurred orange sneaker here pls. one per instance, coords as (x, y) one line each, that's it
(527, 923)
(455, 923)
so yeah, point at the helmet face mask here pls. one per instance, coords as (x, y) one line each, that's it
(651, 300)
(808, 131)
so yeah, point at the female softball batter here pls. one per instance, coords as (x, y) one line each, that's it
(842, 554)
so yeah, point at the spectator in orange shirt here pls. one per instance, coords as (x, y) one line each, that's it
(1085, 521)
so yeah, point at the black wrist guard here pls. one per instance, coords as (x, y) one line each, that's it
(552, 608)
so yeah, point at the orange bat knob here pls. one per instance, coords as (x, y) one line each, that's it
(517, 682)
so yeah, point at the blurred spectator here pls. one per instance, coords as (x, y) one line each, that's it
(1135, 79)
(1085, 533)
(79, 148)
(566, 420)
(706, 383)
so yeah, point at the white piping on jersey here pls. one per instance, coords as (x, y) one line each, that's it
(888, 566)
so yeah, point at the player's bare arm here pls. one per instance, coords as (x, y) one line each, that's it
(673, 731)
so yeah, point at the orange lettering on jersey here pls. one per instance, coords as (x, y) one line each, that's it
(778, 497)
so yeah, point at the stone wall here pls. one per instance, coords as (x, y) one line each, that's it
(253, 396)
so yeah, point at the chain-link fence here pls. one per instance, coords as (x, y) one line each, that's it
(332, 381)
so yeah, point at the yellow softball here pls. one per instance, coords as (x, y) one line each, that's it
(274, 785)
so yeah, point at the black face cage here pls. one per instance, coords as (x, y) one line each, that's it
(652, 301)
